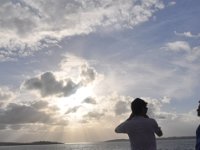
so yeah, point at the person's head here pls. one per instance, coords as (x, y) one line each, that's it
(139, 107)
(198, 110)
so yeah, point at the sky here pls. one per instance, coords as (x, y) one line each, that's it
(70, 69)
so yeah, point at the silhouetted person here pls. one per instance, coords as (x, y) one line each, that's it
(140, 128)
(197, 147)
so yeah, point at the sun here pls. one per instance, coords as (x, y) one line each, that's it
(75, 99)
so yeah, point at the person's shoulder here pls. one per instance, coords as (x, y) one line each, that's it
(152, 120)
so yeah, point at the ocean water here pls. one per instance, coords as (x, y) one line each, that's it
(186, 144)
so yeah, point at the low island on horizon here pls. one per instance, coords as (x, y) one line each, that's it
(28, 143)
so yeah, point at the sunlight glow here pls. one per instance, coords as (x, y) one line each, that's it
(76, 99)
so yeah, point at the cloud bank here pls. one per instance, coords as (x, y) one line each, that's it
(47, 22)
(38, 112)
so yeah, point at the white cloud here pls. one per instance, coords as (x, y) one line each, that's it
(166, 99)
(155, 108)
(5, 94)
(180, 124)
(46, 22)
(171, 3)
(194, 54)
(139, 78)
(87, 74)
(79, 69)
(187, 34)
(178, 46)
(191, 53)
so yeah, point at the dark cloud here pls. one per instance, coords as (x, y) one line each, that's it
(39, 104)
(121, 107)
(73, 110)
(93, 115)
(16, 115)
(2, 126)
(47, 85)
(161, 117)
(87, 74)
(84, 121)
(89, 100)
(15, 126)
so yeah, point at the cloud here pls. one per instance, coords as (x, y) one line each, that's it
(39, 104)
(180, 124)
(38, 112)
(47, 85)
(154, 107)
(178, 46)
(78, 68)
(166, 99)
(93, 115)
(89, 100)
(139, 78)
(122, 107)
(72, 110)
(191, 53)
(19, 114)
(187, 34)
(171, 3)
(194, 54)
(87, 74)
(5, 94)
(47, 22)
(74, 73)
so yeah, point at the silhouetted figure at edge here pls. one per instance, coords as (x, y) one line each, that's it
(197, 147)
(140, 128)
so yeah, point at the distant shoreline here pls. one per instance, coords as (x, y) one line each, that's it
(31, 143)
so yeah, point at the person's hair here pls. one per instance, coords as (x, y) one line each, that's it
(137, 106)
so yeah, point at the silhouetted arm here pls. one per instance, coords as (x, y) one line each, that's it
(157, 129)
(159, 132)
(121, 128)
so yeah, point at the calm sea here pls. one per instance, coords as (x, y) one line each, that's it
(186, 144)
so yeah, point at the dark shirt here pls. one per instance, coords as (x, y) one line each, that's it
(197, 147)
(141, 132)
